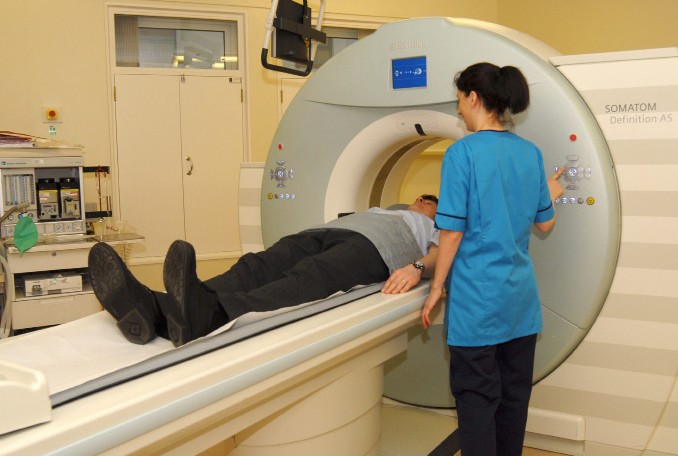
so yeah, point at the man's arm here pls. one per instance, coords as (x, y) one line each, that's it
(407, 277)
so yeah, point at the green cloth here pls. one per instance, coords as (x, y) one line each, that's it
(25, 234)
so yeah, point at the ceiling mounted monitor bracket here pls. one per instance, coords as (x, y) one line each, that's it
(295, 39)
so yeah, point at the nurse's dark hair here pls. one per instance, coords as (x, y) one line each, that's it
(501, 89)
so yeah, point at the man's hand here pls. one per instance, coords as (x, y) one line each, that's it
(402, 280)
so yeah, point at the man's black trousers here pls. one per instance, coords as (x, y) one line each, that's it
(297, 269)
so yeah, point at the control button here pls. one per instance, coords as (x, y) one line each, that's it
(564, 200)
(574, 172)
(580, 200)
(573, 200)
(281, 196)
(590, 201)
(558, 200)
(281, 173)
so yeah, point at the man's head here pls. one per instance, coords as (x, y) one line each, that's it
(425, 204)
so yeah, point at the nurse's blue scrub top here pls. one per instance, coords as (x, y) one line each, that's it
(493, 188)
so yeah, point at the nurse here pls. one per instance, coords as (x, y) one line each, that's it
(493, 189)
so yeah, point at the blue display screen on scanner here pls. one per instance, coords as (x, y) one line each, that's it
(408, 73)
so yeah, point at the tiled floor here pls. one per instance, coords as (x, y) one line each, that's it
(408, 431)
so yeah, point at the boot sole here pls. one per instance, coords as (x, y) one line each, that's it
(176, 266)
(111, 285)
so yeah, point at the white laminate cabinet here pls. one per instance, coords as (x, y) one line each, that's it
(61, 260)
(179, 148)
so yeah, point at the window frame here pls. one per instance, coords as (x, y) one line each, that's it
(172, 13)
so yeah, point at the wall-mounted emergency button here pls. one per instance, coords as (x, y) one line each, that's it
(51, 114)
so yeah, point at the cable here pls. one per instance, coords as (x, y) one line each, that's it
(13, 209)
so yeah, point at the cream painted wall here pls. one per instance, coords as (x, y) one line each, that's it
(54, 53)
(593, 26)
(477, 9)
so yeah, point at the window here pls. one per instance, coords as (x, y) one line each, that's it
(166, 42)
(338, 39)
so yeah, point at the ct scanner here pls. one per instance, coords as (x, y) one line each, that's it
(344, 145)
(359, 161)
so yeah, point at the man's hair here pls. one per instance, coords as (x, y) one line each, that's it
(430, 198)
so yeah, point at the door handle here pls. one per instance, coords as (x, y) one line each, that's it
(190, 163)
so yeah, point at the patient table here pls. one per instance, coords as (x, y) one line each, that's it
(287, 388)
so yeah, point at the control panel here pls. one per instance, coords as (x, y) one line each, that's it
(575, 174)
(49, 189)
(282, 173)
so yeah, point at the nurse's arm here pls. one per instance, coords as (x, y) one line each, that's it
(555, 190)
(546, 226)
(447, 250)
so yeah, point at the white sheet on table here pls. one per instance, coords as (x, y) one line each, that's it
(81, 350)
(78, 351)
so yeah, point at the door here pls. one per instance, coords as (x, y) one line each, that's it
(212, 141)
(179, 146)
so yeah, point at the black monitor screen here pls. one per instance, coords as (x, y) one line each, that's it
(290, 45)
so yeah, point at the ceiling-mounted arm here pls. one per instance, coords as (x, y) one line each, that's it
(296, 39)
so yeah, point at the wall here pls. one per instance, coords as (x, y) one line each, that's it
(593, 26)
(50, 57)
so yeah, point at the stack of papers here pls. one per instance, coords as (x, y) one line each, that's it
(11, 139)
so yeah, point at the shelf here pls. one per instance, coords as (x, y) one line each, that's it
(20, 291)
(20, 294)
(53, 254)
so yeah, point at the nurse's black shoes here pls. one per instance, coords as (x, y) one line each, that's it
(193, 310)
(131, 303)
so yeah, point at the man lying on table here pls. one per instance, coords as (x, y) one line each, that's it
(396, 246)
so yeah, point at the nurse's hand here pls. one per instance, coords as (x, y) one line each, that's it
(555, 189)
(402, 280)
(433, 299)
